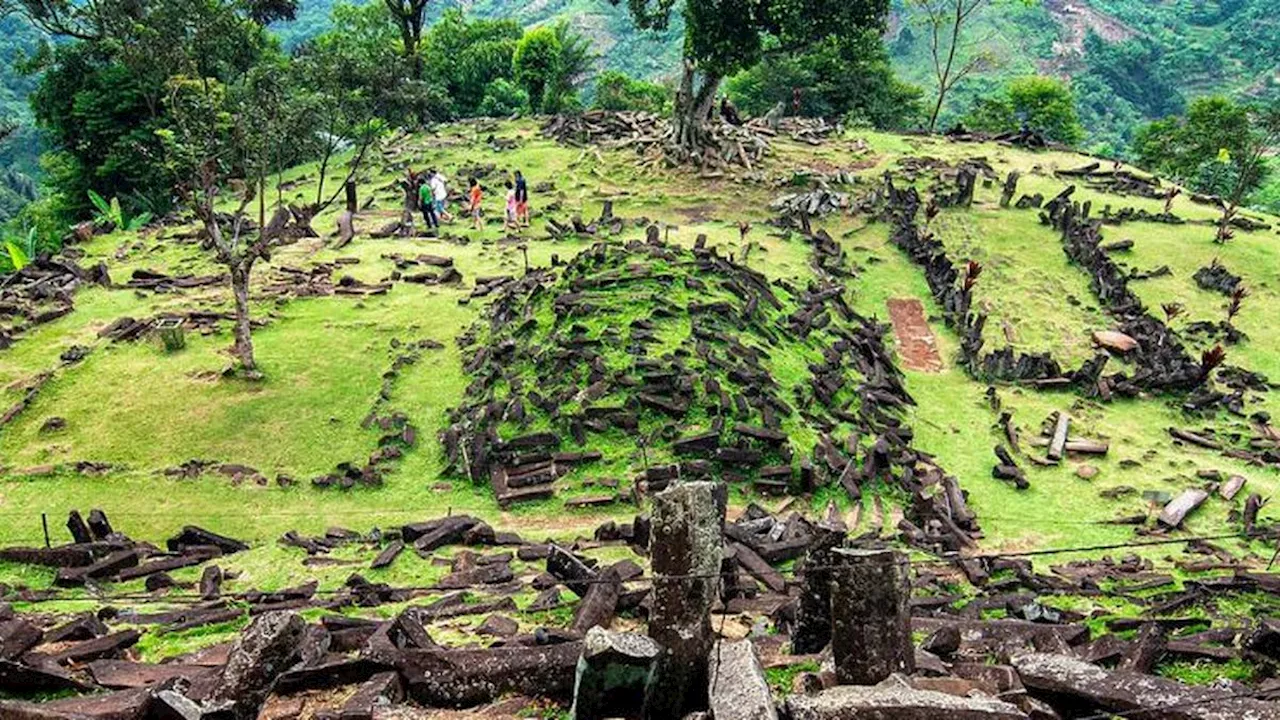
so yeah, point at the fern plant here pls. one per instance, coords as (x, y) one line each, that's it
(110, 212)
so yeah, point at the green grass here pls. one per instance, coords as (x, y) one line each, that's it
(1035, 299)
(1204, 672)
(781, 679)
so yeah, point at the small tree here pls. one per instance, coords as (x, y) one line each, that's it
(618, 91)
(536, 63)
(1187, 148)
(220, 146)
(725, 36)
(503, 97)
(952, 54)
(548, 63)
(575, 62)
(1249, 164)
(847, 78)
(334, 115)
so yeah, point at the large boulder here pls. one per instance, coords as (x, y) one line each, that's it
(737, 688)
(259, 656)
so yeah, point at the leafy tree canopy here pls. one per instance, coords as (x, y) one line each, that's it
(463, 56)
(1179, 146)
(840, 78)
(1041, 103)
(619, 91)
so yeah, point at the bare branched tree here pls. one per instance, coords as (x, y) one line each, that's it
(953, 55)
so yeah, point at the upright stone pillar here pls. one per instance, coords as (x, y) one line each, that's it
(813, 616)
(686, 541)
(871, 616)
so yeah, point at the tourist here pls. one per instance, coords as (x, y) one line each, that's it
(475, 196)
(522, 200)
(426, 199)
(510, 222)
(440, 192)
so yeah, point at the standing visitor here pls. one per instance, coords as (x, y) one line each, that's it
(510, 222)
(427, 200)
(475, 196)
(440, 192)
(522, 200)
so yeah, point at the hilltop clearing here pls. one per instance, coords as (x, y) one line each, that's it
(969, 347)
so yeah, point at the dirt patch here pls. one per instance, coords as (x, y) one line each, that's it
(916, 343)
(1077, 19)
(698, 213)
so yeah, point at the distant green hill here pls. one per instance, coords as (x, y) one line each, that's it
(619, 45)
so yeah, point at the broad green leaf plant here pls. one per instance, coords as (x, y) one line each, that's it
(111, 213)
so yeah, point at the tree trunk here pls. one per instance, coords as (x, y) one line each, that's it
(693, 108)
(302, 217)
(243, 348)
(937, 108)
(346, 229)
(944, 74)
(411, 51)
(352, 200)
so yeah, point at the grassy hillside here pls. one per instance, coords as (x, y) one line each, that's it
(146, 412)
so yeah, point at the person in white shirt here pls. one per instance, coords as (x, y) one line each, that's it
(440, 192)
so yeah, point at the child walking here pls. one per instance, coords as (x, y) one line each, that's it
(475, 195)
(522, 200)
(511, 221)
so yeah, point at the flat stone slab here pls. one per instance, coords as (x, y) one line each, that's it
(1128, 692)
(851, 702)
(1117, 341)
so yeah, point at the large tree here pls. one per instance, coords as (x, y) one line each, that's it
(846, 78)
(723, 37)
(227, 131)
(467, 58)
(116, 20)
(330, 111)
(1180, 147)
(409, 16)
(549, 63)
(101, 95)
(219, 149)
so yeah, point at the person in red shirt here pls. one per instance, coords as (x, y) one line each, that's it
(475, 195)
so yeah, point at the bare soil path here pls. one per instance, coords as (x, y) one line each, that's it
(916, 344)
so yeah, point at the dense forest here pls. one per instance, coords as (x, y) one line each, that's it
(1092, 73)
